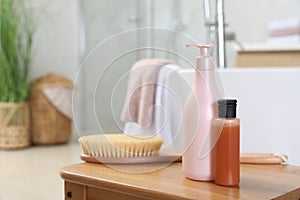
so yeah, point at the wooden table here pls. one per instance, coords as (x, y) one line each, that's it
(96, 181)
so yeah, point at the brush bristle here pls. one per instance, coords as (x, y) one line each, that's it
(120, 145)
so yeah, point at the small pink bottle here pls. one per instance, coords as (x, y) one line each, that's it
(199, 157)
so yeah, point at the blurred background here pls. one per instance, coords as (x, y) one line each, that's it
(94, 43)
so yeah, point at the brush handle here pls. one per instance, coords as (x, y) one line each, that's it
(263, 158)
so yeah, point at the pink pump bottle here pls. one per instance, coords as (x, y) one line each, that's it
(199, 157)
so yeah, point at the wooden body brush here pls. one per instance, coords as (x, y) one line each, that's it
(124, 149)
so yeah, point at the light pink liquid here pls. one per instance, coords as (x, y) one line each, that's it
(199, 158)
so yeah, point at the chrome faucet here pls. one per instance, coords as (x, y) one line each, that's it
(216, 30)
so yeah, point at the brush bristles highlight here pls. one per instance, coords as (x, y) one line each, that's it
(120, 145)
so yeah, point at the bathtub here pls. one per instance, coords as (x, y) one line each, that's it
(268, 106)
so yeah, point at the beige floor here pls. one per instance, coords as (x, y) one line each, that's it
(33, 173)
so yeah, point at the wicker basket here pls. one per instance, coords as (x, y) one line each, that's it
(14, 125)
(49, 126)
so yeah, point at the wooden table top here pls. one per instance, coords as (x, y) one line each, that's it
(257, 182)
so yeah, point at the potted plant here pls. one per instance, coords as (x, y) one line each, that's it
(16, 32)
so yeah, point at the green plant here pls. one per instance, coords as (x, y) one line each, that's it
(16, 32)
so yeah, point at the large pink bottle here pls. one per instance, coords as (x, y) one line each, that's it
(199, 157)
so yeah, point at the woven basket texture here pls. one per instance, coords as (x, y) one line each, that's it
(49, 126)
(14, 125)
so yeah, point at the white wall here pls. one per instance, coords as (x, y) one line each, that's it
(249, 19)
(56, 40)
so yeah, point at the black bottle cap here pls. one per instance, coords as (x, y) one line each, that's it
(227, 108)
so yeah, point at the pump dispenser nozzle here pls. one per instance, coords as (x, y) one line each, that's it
(204, 48)
(204, 61)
